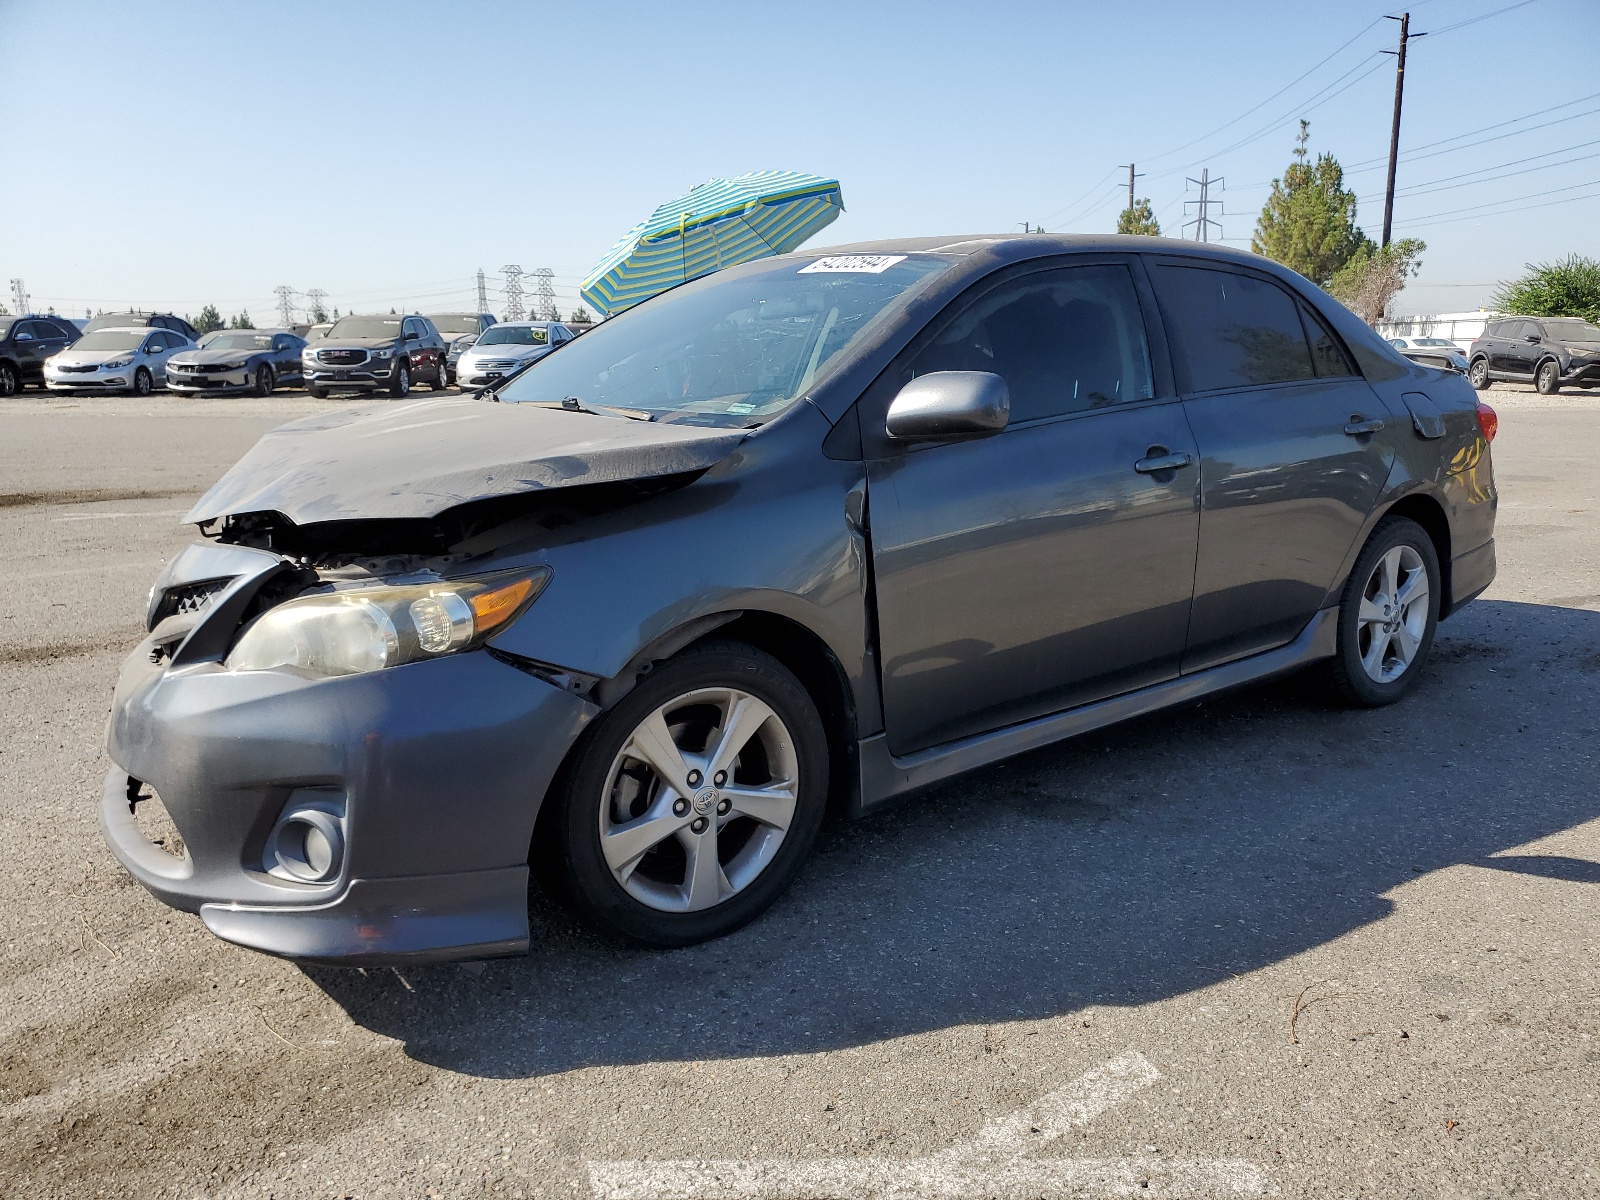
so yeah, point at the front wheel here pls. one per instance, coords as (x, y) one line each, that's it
(1547, 379)
(264, 380)
(141, 382)
(1388, 615)
(441, 380)
(316, 392)
(1478, 374)
(10, 380)
(688, 808)
(400, 385)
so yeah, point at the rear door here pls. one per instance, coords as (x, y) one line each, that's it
(1045, 566)
(1292, 446)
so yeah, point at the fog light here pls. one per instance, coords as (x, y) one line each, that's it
(307, 845)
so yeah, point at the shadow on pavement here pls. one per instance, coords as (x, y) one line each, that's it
(1125, 867)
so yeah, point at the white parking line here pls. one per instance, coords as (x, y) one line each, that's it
(990, 1166)
(106, 516)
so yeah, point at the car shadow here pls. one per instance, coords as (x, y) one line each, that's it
(1124, 867)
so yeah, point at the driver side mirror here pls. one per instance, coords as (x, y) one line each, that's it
(1532, 337)
(412, 335)
(950, 404)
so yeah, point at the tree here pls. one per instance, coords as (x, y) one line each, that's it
(319, 315)
(1139, 219)
(1570, 288)
(580, 316)
(242, 321)
(1374, 276)
(1309, 222)
(209, 320)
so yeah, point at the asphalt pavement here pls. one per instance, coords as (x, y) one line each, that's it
(1257, 945)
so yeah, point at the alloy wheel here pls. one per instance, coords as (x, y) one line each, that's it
(1394, 615)
(698, 800)
(10, 385)
(1478, 374)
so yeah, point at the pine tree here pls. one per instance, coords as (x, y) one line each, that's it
(209, 320)
(1139, 219)
(1309, 222)
(242, 321)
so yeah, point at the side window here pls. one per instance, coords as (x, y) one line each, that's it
(1064, 340)
(1232, 330)
(1327, 356)
(32, 331)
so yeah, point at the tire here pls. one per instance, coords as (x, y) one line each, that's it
(10, 380)
(264, 380)
(317, 393)
(441, 379)
(1398, 550)
(1478, 374)
(609, 789)
(142, 384)
(1547, 377)
(400, 385)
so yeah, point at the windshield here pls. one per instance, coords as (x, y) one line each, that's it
(1572, 330)
(454, 324)
(111, 339)
(237, 341)
(515, 335)
(731, 349)
(366, 327)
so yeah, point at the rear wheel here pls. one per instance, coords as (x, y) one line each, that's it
(141, 382)
(688, 808)
(10, 381)
(441, 379)
(1547, 379)
(1478, 374)
(264, 380)
(400, 385)
(1388, 615)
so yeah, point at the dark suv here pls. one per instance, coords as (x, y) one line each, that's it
(25, 342)
(137, 320)
(1549, 352)
(381, 352)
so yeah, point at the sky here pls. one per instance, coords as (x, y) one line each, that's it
(166, 155)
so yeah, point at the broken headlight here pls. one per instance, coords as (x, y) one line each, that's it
(367, 629)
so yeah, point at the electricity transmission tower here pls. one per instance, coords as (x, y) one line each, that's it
(545, 289)
(285, 295)
(314, 308)
(1203, 222)
(19, 296)
(483, 293)
(513, 274)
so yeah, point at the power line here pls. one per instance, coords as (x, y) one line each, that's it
(1413, 155)
(1483, 17)
(1424, 189)
(1432, 220)
(1508, 200)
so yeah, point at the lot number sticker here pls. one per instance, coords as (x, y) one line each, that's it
(854, 264)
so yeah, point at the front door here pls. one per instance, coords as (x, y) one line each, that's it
(1294, 449)
(1051, 564)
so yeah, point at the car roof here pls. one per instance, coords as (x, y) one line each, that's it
(1034, 245)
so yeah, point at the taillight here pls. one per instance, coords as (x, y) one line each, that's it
(1488, 421)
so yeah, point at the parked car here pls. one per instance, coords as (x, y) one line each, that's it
(1432, 352)
(25, 343)
(375, 353)
(840, 522)
(508, 347)
(237, 360)
(137, 320)
(114, 360)
(459, 331)
(319, 330)
(1549, 352)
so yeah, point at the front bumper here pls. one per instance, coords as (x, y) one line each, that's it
(215, 381)
(440, 768)
(372, 373)
(108, 381)
(1584, 374)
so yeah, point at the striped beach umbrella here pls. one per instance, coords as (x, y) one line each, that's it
(720, 223)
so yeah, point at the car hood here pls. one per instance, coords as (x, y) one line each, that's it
(511, 350)
(82, 358)
(417, 460)
(208, 356)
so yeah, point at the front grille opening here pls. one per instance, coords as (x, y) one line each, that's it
(153, 820)
(189, 598)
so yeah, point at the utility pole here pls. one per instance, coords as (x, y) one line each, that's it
(483, 293)
(513, 274)
(1394, 130)
(1203, 221)
(285, 295)
(1131, 177)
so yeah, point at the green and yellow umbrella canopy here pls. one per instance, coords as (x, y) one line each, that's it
(718, 224)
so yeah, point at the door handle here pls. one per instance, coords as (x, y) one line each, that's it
(1362, 428)
(1157, 463)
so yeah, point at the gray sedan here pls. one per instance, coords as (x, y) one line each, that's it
(237, 360)
(822, 528)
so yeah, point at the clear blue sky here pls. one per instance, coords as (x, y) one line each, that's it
(167, 154)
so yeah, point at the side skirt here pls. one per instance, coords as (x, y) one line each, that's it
(885, 776)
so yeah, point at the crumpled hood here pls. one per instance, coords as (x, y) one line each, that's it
(416, 460)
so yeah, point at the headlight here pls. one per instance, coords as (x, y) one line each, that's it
(367, 629)
(115, 363)
(382, 354)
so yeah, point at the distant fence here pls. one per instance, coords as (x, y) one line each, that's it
(1460, 328)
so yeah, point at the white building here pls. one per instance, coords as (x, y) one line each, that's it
(1461, 328)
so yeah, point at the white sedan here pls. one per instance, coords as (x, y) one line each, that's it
(506, 348)
(115, 360)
